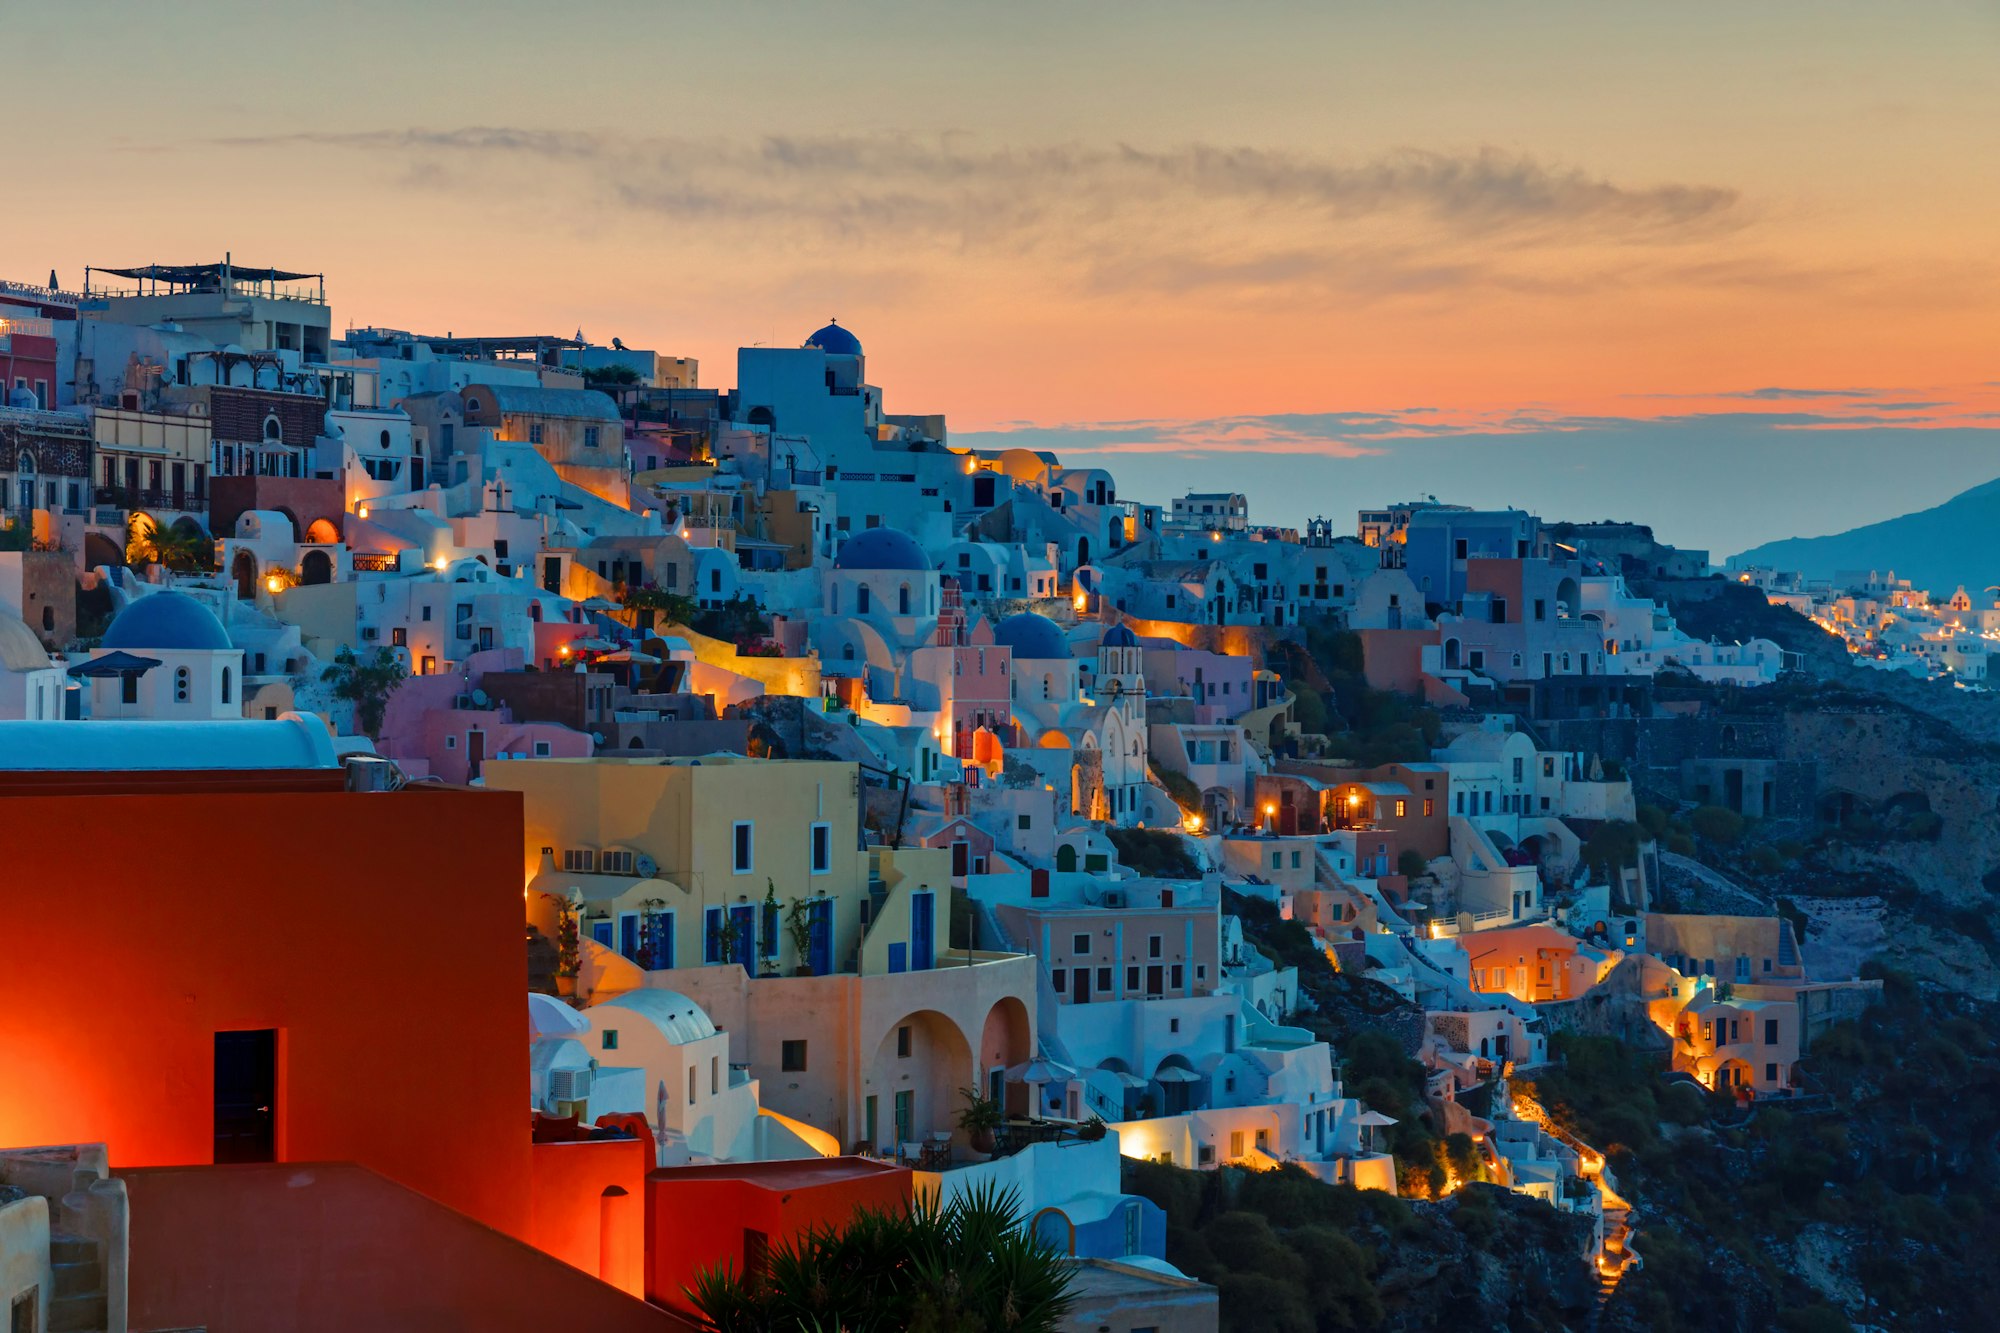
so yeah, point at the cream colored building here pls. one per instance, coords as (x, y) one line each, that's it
(705, 877)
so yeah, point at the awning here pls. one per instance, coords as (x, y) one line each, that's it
(1175, 1074)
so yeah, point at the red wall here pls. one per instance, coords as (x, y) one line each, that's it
(380, 933)
(590, 1206)
(331, 1248)
(696, 1216)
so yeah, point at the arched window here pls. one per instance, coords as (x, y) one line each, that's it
(183, 678)
(861, 600)
(385, 439)
(903, 600)
(226, 688)
(27, 463)
(274, 431)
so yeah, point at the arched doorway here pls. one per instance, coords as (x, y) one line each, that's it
(244, 570)
(921, 1065)
(317, 567)
(100, 551)
(322, 533)
(1007, 1039)
(1066, 858)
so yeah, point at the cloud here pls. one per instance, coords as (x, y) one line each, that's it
(1104, 218)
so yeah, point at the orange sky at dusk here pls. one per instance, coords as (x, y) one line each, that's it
(1057, 214)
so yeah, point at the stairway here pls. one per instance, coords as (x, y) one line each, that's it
(78, 1302)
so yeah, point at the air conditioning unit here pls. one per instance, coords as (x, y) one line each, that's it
(569, 1085)
(1114, 897)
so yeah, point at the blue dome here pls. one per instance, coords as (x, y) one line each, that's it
(881, 548)
(167, 620)
(1119, 637)
(835, 341)
(1033, 637)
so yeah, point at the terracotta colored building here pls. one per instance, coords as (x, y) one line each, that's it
(220, 964)
(700, 1216)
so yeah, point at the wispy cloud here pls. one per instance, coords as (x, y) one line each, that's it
(1113, 217)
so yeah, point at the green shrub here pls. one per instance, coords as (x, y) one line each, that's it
(1717, 824)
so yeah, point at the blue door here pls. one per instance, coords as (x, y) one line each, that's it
(899, 961)
(660, 940)
(746, 936)
(819, 948)
(711, 936)
(923, 920)
(601, 932)
(628, 935)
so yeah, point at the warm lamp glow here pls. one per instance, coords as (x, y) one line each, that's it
(563, 651)
(275, 583)
(440, 564)
(362, 512)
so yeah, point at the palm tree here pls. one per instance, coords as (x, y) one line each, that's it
(366, 682)
(178, 546)
(969, 1265)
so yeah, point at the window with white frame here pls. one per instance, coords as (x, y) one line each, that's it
(745, 847)
(579, 860)
(617, 863)
(822, 849)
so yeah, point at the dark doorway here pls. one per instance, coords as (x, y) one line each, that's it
(551, 574)
(316, 568)
(475, 754)
(246, 1096)
(1080, 987)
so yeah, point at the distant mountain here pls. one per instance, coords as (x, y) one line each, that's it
(1958, 542)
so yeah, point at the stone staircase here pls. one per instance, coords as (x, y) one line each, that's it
(78, 1304)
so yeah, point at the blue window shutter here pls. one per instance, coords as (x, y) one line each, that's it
(923, 921)
(898, 958)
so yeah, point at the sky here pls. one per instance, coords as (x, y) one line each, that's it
(1726, 268)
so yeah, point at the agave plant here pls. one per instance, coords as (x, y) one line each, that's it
(969, 1265)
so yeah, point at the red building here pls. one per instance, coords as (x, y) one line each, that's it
(27, 362)
(700, 1216)
(239, 965)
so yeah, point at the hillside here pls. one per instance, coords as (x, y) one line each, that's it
(1936, 549)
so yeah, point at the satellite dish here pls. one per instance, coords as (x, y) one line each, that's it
(646, 866)
(479, 698)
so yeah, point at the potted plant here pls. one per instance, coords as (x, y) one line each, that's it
(979, 1119)
(767, 966)
(798, 925)
(569, 957)
(1092, 1129)
(724, 937)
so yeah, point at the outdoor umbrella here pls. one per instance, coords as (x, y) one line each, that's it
(1370, 1121)
(1175, 1074)
(1037, 1072)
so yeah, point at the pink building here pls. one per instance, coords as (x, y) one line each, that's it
(972, 674)
(430, 730)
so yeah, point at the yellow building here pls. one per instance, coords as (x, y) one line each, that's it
(837, 990)
(725, 860)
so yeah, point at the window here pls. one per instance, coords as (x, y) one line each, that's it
(1517, 770)
(691, 1087)
(609, 1039)
(1153, 946)
(1175, 980)
(822, 849)
(1059, 978)
(541, 749)
(1079, 944)
(1770, 1032)
(792, 1057)
(1132, 979)
(903, 1042)
(1770, 1073)
(743, 849)
(590, 437)
(1104, 979)
(1024, 822)
(226, 691)
(579, 860)
(1402, 809)
(1430, 807)
(182, 678)
(535, 433)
